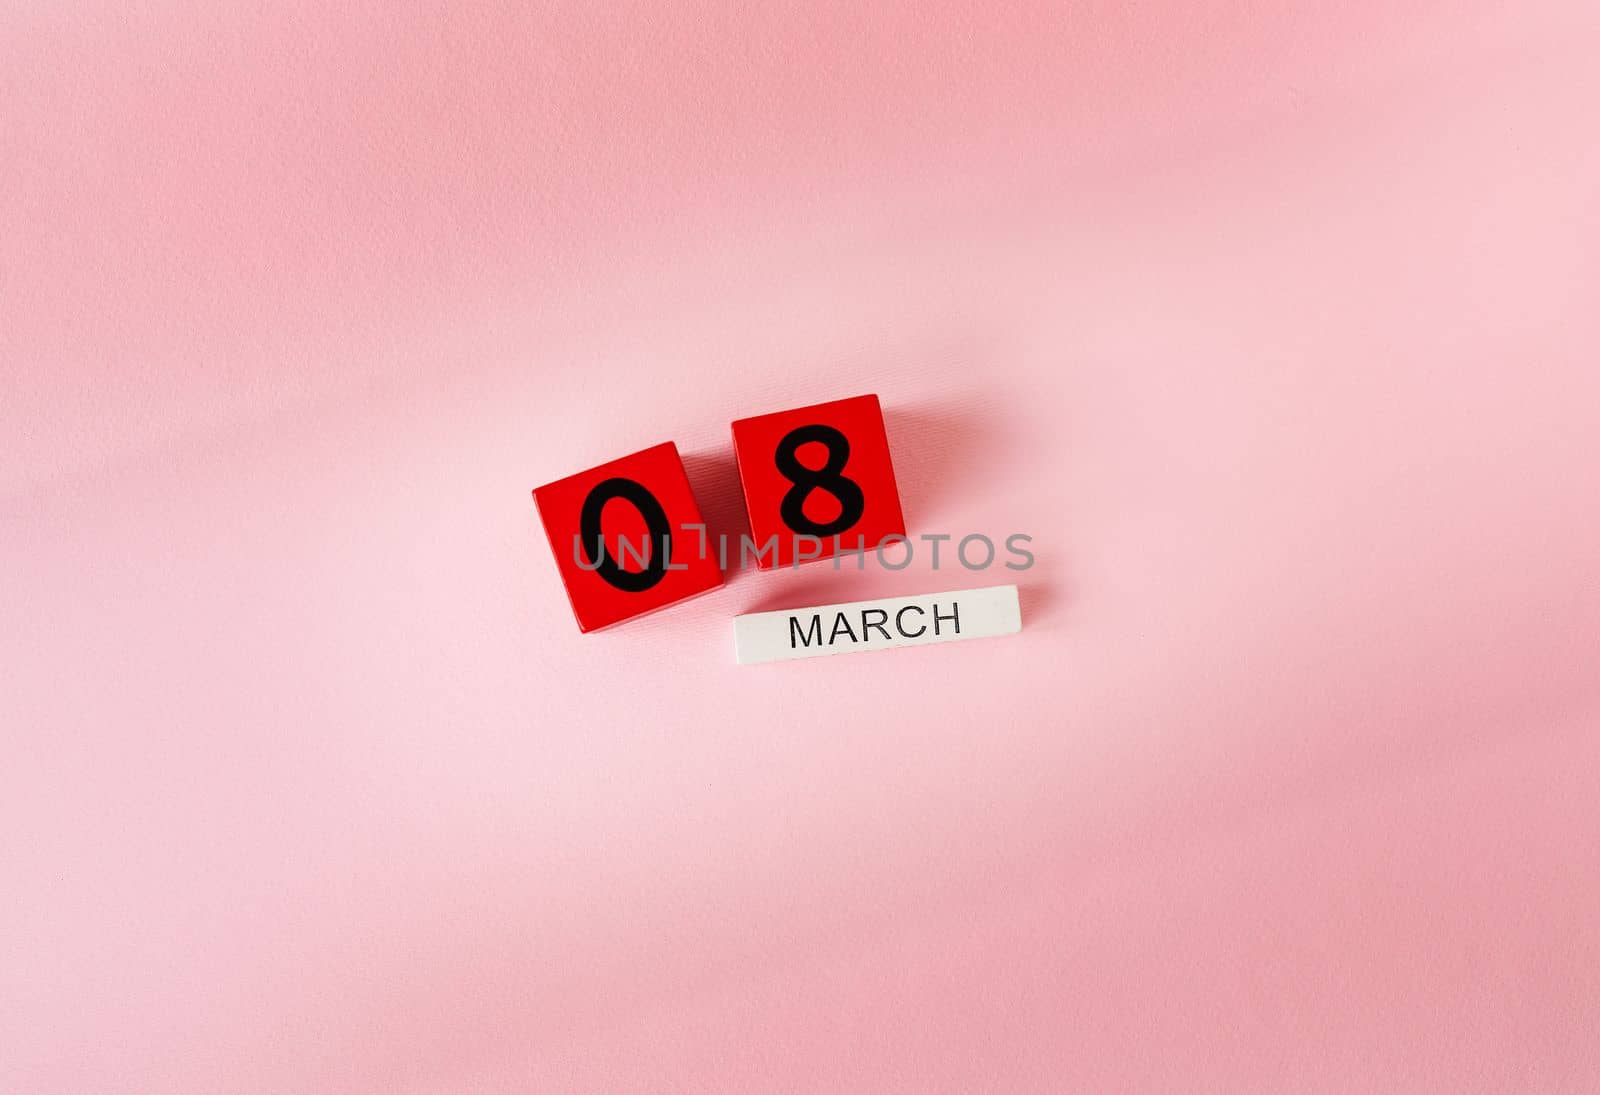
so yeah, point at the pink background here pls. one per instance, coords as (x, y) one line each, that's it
(1277, 330)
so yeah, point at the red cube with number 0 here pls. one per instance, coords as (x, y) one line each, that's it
(627, 537)
(819, 480)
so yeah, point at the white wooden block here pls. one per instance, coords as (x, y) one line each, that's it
(876, 625)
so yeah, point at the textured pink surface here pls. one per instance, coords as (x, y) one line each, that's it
(1277, 330)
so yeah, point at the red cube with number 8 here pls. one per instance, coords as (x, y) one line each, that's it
(818, 480)
(627, 536)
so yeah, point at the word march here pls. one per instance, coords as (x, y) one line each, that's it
(812, 632)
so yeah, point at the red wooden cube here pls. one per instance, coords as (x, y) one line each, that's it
(818, 480)
(627, 537)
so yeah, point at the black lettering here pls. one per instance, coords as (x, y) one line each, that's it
(879, 623)
(840, 623)
(954, 617)
(592, 538)
(900, 626)
(830, 478)
(803, 638)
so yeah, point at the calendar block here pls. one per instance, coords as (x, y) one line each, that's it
(627, 537)
(818, 481)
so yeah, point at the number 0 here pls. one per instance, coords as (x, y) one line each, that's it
(655, 521)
